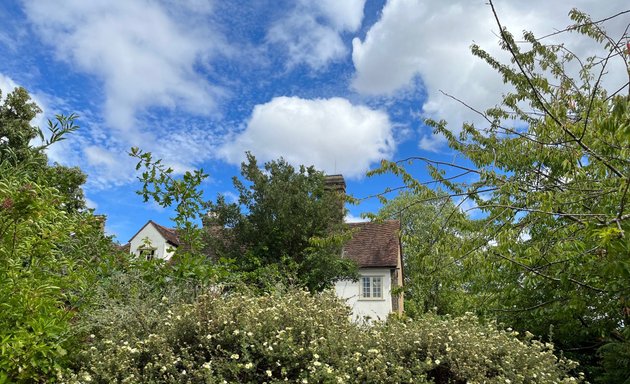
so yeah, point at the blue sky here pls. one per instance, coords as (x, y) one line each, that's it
(339, 84)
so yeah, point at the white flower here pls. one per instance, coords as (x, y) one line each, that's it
(235, 356)
(268, 372)
(437, 361)
(249, 365)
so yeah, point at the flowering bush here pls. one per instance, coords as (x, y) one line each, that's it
(300, 337)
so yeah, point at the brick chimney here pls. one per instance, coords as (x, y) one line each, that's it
(337, 184)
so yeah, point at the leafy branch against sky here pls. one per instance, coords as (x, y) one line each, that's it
(339, 85)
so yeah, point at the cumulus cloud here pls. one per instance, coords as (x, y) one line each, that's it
(431, 40)
(311, 32)
(144, 53)
(331, 134)
(147, 55)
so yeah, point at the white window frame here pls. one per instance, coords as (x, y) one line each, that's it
(372, 287)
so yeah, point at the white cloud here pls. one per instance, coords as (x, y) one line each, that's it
(91, 203)
(331, 134)
(431, 39)
(350, 218)
(144, 54)
(6, 85)
(311, 32)
(113, 167)
(148, 55)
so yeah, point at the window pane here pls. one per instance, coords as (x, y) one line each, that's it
(366, 287)
(377, 287)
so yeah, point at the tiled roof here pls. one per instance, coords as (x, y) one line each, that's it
(170, 234)
(374, 244)
(124, 247)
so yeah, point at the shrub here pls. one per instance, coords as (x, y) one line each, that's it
(45, 276)
(300, 337)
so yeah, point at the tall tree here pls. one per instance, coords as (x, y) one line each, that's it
(552, 177)
(435, 232)
(18, 147)
(49, 248)
(285, 224)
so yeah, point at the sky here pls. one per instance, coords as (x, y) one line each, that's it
(338, 84)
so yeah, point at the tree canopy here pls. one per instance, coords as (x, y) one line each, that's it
(48, 246)
(550, 171)
(285, 224)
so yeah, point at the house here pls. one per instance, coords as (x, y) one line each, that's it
(374, 246)
(154, 241)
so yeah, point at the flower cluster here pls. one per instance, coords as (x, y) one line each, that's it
(303, 338)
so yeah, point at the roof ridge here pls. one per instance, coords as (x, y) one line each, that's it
(170, 234)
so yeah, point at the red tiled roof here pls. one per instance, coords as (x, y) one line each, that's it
(170, 234)
(374, 244)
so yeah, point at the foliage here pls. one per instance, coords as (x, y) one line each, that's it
(192, 269)
(286, 226)
(159, 185)
(16, 149)
(550, 171)
(300, 337)
(45, 276)
(48, 249)
(431, 228)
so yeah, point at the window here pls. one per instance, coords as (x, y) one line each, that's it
(147, 253)
(372, 287)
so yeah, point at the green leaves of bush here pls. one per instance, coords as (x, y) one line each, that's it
(300, 337)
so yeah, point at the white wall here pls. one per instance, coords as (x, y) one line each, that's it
(376, 309)
(163, 249)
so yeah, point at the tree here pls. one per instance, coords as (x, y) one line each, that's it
(16, 147)
(192, 269)
(49, 248)
(432, 227)
(286, 226)
(552, 169)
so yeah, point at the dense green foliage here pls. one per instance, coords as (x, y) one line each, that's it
(286, 227)
(47, 247)
(300, 338)
(431, 227)
(18, 153)
(550, 172)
